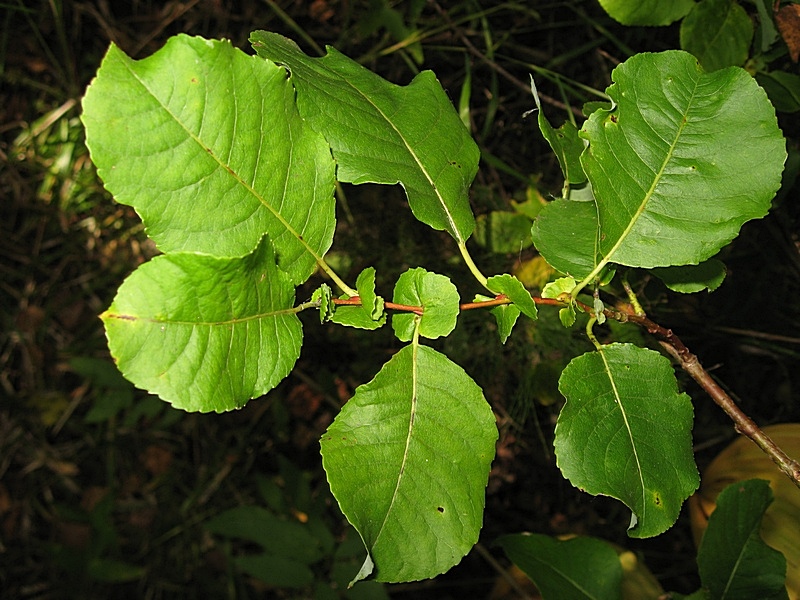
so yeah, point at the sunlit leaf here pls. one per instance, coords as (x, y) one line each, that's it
(205, 333)
(647, 12)
(206, 144)
(682, 161)
(437, 297)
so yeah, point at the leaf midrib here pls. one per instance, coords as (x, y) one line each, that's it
(456, 233)
(128, 62)
(645, 200)
(618, 401)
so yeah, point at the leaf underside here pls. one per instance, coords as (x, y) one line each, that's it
(205, 333)
(206, 144)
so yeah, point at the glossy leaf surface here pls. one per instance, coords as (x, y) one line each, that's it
(625, 432)
(681, 162)
(205, 333)
(408, 459)
(206, 144)
(384, 133)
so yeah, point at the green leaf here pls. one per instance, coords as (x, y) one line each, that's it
(277, 536)
(625, 432)
(565, 233)
(408, 461)
(559, 287)
(565, 143)
(718, 33)
(384, 133)
(580, 568)
(438, 298)
(370, 314)
(647, 12)
(688, 279)
(205, 333)
(503, 232)
(324, 295)
(506, 316)
(782, 88)
(206, 144)
(733, 560)
(684, 159)
(513, 289)
(289, 547)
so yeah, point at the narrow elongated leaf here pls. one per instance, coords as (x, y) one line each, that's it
(206, 144)
(580, 568)
(625, 432)
(682, 161)
(647, 12)
(205, 333)
(384, 133)
(408, 460)
(734, 562)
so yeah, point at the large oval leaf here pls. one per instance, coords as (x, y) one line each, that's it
(206, 144)
(408, 460)
(384, 133)
(682, 161)
(626, 432)
(205, 333)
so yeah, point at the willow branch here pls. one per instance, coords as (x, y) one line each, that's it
(690, 363)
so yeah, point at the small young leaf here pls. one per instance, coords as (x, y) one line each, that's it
(370, 314)
(562, 285)
(682, 161)
(580, 568)
(718, 33)
(438, 298)
(647, 12)
(708, 275)
(205, 333)
(408, 461)
(206, 144)
(506, 317)
(384, 133)
(733, 560)
(565, 143)
(513, 289)
(324, 295)
(625, 432)
(371, 302)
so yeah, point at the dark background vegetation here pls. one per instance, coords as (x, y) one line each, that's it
(104, 490)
